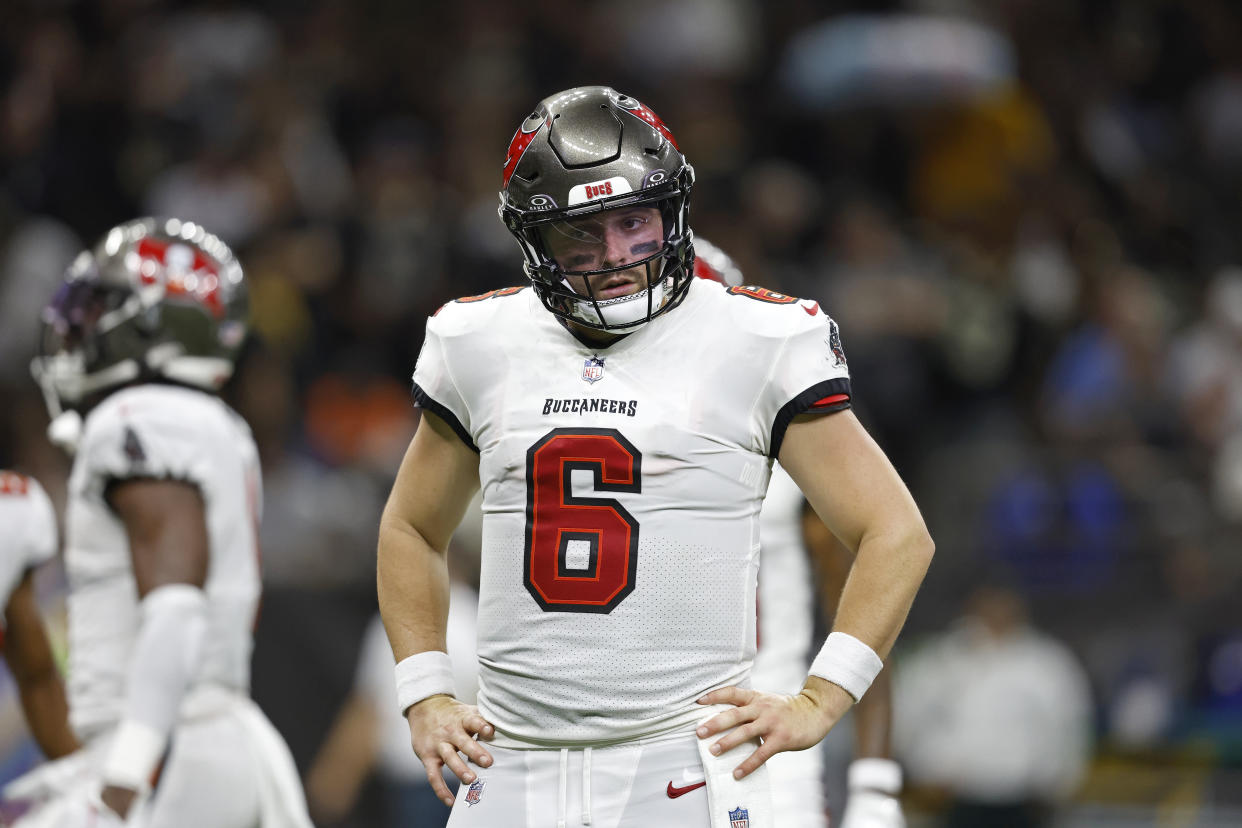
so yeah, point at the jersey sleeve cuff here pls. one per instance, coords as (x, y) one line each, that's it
(821, 398)
(424, 400)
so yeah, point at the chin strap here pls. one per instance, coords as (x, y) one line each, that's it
(624, 310)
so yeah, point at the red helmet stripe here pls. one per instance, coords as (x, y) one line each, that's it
(650, 117)
(517, 148)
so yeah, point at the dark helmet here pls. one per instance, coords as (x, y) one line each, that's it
(587, 150)
(154, 299)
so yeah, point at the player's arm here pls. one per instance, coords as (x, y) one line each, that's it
(29, 656)
(874, 778)
(437, 478)
(859, 495)
(166, 523)
(344, 761)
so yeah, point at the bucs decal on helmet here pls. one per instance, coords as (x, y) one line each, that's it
(185, 271)
(521, 140)
(616, 185)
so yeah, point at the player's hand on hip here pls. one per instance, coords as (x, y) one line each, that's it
(440, 726)
(780, 721)
(872, 809)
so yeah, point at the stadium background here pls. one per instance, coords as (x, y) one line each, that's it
(1025, 215)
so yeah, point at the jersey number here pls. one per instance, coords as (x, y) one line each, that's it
(581, 552)
(763, 294)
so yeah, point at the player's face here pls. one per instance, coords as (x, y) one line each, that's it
(605, 240)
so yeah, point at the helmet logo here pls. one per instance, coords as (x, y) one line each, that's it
(617, 185)
(654, 177)
(517, 148)
(184, 270)
(541, 202)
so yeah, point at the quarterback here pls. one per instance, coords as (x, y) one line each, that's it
(160, 546)
(621, 542)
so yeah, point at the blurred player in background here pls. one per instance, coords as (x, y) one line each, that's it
(621, 418)
(797, 552)
(370, 736)
(161, 550)
(29, 539)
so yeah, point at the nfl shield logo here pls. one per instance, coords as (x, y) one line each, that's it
(475, 793)
(739, 818)
(593, 369)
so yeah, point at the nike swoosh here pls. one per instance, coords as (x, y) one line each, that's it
(673, 793)
(812, 310)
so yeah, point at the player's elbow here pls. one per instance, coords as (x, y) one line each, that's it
(399, 536)
(918, 544)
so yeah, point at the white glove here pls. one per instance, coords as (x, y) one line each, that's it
(80, 808)
(63, 794)
(874, 785)
(52, 779)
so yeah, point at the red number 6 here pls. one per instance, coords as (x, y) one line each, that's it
(598, 571)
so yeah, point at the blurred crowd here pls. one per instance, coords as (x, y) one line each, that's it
(1025, 216)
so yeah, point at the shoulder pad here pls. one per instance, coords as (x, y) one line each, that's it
(470, 312)
(770, 313)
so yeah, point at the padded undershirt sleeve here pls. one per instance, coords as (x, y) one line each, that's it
(164, 662)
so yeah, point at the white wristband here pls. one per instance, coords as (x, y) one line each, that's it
(848, 663)
(422, 675)
(875, 774)
(134, 756)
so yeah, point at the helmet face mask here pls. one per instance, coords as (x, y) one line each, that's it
(156, 299)
(588, 158)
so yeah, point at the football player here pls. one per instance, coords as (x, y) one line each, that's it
(160, 550)
(621, 417)
(796, 552)
(30, 540)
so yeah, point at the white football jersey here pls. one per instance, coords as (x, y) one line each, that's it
(621, 493)
(28, 537)
(158, 432)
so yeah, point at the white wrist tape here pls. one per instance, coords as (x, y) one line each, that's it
(422, 675)
(848, 663)
(134, 756)
(883, 775)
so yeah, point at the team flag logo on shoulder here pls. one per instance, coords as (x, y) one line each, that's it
(834, 344)
(593, 369)
(475, 793)
(739, 818)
